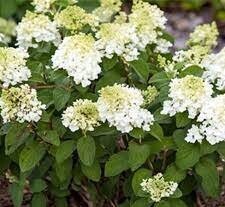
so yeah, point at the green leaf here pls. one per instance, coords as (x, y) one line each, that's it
(60, 97)
(86, 150)
(141, 68)
(6, 10)
(182, 119)
(141, 202)
(207, 148)
(162, 204)
(109, 63)
(58, 126)
(30, 156)
(137, 133)
(16, 136)
(156, 131)
(137, 154)
(45, 96)
(64, 170)
(61, 202)
(159, 80)
(173, 173)
(176, 203)
(116, 164)
(93, 172)
(177, 194)
(64, 150)
(221, 149)
(206, 168)
(109, 78)
(38, 185)
(187, 156)
(171, 203)
(192, 70)
(88, 5)
(38, 200)
(16, 193)
(137, 180)
(50, 136)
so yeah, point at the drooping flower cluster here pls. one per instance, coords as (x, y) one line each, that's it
(79, 57)
(120, 105)
(189, 93)
(82, 115)
(214, 65)
(74, 18)
(107, 9)
(120, 39)
(13, 67)
(38, 28)
(20, 104)
(158, 188)
(211, 122)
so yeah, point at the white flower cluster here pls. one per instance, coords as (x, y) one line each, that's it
(36, 27)
(74, 18)
(189, 93)
(107, 9)
(42, 5)
(158, 188)
(120, 105)
(120, 39)
(13, 67)
(162, 45)
(214, 65)
(20, 104)
(82, 115)
(79, 57)
(204, 35)
(147, 19)
(212, 122)
(128, 35)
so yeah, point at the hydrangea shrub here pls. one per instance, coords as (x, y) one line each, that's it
(95, 105)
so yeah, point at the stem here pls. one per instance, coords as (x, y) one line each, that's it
(44, 86)
(49, 86)
(164, 160)
(150, 165)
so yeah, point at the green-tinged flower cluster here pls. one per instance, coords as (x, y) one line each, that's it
(74, 18)
(13, 69)
(107, 9)
(158, 188)
(205, 35)
(149, 95)
(7, 30)
(199, 46)
(20, 104)
(35, 28)
(147, 18)
(82, 115)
